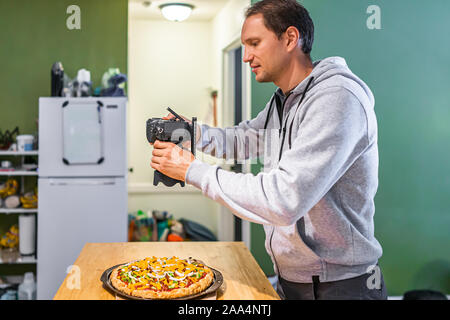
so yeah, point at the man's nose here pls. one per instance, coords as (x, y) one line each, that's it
(248, 57)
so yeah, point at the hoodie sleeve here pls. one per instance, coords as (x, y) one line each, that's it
(240, 142)
(330, 138)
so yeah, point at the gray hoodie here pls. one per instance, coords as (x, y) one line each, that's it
(316, 203)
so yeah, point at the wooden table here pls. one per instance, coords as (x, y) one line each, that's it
(243, 278)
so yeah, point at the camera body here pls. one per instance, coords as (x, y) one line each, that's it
(176, 131)
(167, 130)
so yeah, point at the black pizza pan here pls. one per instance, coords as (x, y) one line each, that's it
(105, 278)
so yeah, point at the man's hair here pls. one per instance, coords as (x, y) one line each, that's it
(282, 14)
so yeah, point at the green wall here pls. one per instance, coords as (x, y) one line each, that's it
(406, 64)
(33, 35)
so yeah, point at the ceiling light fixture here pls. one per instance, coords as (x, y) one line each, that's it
(176, 11)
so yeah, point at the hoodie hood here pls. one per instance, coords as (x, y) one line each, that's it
(333, 71)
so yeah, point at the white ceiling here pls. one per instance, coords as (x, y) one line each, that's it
(204, 10)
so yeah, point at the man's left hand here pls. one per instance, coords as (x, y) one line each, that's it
(171, 160)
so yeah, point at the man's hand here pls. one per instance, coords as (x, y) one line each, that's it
(171, 160)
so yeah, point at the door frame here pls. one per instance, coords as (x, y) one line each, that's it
(226, 228)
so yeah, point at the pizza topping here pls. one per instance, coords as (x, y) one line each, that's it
(179, 274)
(162, 274)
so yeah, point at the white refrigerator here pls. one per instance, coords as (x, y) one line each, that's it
(82, 186)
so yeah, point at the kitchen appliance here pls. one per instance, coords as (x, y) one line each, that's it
(82, 182)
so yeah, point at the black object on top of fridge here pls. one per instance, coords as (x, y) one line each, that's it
(57, 79)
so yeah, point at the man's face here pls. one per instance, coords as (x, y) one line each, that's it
(264, 52)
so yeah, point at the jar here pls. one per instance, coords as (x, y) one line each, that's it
(9, 255)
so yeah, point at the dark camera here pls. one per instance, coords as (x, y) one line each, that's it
(168, 130)
(175, 130)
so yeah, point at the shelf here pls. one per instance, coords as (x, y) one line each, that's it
(22, 260)
(18, 173)
(18, 210)
(19, 153)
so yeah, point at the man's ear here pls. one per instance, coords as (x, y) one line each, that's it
(293, 39)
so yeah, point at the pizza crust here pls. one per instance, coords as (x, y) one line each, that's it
(194, 288)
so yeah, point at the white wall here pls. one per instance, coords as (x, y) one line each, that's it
(226, 29)
(169, 65)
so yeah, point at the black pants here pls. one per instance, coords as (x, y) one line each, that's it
(349, 289)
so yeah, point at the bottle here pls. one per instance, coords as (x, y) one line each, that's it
(57, 77)
(27, 289)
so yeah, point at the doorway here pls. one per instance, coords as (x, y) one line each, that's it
(236, 108)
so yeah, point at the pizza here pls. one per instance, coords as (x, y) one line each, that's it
(162, 278)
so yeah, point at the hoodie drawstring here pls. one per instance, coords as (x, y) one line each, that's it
(287, 117)
(269, 114)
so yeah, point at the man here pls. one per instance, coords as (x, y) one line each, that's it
(316, 196)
